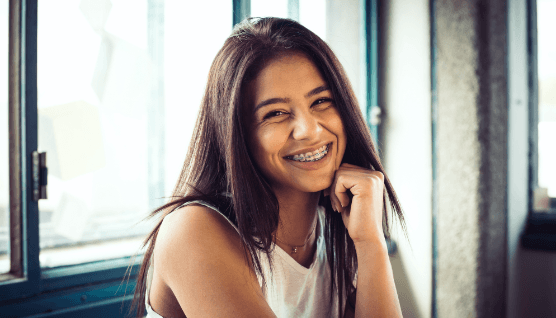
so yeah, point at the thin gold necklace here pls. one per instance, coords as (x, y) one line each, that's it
(295, 247)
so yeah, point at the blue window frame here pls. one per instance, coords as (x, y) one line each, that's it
(94, 289)
(88, 290)
(372, 57)
(26, 290)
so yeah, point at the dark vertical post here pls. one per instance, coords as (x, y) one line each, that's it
(434, 119)
(155, 109)
(471, 157)
(14, 56)
(371, 33)
(29, 139)
(242, 10)
(532, 54)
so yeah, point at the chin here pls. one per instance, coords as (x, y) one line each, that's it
(312, 186)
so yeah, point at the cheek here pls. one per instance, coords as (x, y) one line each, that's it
(338, 129)
(268, 142)
(336, 126)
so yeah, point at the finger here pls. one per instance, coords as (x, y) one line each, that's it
(349, 165)
(326, 192)
(354, 170)
(334, 201)
(343, 200)
(333, 198)
(335, 204)
(352, 167)
(341, 188)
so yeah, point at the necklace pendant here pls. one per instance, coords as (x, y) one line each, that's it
(294, 250)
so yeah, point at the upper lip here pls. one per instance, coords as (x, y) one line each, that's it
(306, 150)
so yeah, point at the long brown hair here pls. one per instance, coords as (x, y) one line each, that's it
(219, 168)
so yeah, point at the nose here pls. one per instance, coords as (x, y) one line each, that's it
(306, 126)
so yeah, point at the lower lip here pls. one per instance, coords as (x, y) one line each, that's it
(313, 165)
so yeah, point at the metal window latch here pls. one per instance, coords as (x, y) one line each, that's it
(40, 175)
(375, 115)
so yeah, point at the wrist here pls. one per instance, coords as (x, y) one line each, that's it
(371, 245)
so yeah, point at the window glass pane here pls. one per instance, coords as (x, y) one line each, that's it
(4, 143)
(312, 14)
(190, 47)
(265, 8)
(545, 194)
(119, 84)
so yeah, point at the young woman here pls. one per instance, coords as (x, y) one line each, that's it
(280, 206)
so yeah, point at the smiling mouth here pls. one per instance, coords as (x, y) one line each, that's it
(311, 156)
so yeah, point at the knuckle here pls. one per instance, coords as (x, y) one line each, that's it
(340, 178)
(379, 175)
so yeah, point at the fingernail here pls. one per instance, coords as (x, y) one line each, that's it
(334, 207)
(342, 204)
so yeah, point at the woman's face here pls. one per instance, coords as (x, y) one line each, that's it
(296, 134)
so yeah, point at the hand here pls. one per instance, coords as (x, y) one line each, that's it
(357, 193)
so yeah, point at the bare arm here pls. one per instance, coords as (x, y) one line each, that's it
(201, 259)
(362, 215)
(376, 291)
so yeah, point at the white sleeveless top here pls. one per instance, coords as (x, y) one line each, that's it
(291, 289)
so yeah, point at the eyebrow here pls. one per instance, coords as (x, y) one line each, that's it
(278, 100)
(317, 90)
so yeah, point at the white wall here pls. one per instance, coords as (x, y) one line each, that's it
(406, 101)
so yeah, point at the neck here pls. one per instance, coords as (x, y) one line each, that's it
(298, 214)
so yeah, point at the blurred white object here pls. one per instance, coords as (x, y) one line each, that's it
(71, 217)
(71, 135)
(96, 12)
(547, 157)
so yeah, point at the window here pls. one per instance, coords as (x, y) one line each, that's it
(4, 147)
(107, 89)
(109, 104)
(544, 178)
(540, 231)
(96, 107)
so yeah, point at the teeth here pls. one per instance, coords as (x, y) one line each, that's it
(312, 156)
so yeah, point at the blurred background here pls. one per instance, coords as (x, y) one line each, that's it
(459, 95)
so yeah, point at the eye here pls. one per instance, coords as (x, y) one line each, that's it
(322, 102)
(273, 114)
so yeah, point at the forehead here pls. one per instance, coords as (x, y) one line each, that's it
(285, 76)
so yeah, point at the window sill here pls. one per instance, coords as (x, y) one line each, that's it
(69, 277)
(107, 300)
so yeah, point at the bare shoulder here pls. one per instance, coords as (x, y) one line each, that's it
(194, 230)
(197, 223)
(199, 256)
